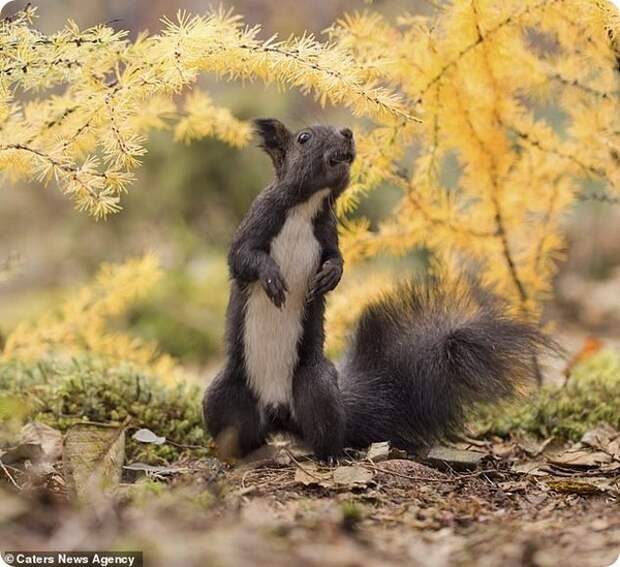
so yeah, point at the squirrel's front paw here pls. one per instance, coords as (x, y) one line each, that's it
(326, 279)
(275, 286)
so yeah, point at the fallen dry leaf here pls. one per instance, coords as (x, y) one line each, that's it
(457, 458)
(605, 438)
(353, 476)
(579, 458)
(48, 438)
(309, 475)
(513, 486)
(534, 468)
(504, 450)
(93, 458)
(580, 485)
(533, 447)
(24, 452)
(38, 443)
(378, 452)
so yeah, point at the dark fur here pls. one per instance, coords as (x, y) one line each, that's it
(419, 358)
(230, 407)
(425, 353)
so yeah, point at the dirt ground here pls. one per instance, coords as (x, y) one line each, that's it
(511, 504)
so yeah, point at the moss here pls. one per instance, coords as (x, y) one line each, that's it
(352, 515)
(591, 396)
(141, 493)
(204, 500)
(61, 393)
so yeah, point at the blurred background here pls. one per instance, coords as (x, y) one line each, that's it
(188, 200)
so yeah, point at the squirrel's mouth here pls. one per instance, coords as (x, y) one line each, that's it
(341, 157)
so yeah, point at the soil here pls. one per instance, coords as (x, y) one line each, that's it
(288, 510)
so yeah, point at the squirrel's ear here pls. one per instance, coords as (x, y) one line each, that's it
(274, 138)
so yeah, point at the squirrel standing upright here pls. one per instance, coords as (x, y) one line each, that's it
(419, 357)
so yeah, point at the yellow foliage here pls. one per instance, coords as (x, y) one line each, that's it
(468, 84)
(346, 307)
(80, 324)
(202, 118)
(479, 72)
(90, 138)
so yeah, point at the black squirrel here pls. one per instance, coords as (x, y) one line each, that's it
(419, 358)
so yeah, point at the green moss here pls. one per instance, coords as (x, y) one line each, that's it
(204, 500)
(142, 492)
(591, 396)
(61, 393)
(13, 413)
(352, 515)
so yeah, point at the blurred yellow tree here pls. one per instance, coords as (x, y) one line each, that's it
(80, 324)
(471, 85)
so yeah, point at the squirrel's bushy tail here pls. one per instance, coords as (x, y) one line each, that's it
(425, 353)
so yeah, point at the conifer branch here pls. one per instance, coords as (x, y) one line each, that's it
(480, 39)
(549, 212)
(605, 198)
(534, 142)
(575, 83)
(493, 175)
(434, 220)
(291, 54)
(49, 159)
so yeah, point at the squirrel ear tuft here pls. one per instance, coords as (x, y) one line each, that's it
(274, 138)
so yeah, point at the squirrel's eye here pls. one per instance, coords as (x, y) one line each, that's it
(304, 137)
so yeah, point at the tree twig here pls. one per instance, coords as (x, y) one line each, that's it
(9, 475)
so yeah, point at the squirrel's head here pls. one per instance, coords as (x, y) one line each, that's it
(315, 158)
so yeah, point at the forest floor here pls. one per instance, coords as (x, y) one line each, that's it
(483, 503)
(491, 501)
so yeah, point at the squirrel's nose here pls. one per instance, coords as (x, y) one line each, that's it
(347, 133)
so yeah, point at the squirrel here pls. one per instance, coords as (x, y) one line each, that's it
(421, 355)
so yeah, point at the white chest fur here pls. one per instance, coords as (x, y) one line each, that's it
(271, 335)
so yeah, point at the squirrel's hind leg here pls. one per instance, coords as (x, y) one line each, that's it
(231, 415)
(318, 408)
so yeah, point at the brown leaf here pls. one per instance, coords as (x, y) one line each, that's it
(40, 444)
(353, 476)
(504, 450)
(513, 486)
(533, 447)
(580, 485)
(309, 475)
(614, 449)
(378, 452)
(579, 458)
(93, 459)
(49, 439)
(24, 452)
(456, 458)
(534, 468)
(605, 438)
